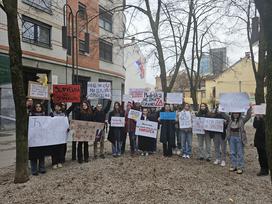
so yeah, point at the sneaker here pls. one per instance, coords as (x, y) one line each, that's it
(184, 156)
(59, 165)
(239, 171)
(188, 156)
(55, 166)
(174, 151)
(142, 154)
(217, 161)
(232, 169)
(119, 154)
(146, 154)
(223, 163)
(178, 152)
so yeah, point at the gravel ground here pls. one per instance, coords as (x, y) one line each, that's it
(152, 179)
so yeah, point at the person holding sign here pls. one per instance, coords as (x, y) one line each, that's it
(37, 154)
(84, 113)
(145, 144)
(236, 135)
(100, 117)
(204, 138)
(115, 133)
(259, 143)
(167, 137)
(185, 131)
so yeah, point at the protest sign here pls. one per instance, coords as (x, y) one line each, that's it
(185, 120)
(234, 102)
(46, 130)
(214, 124)
(168, 115)
(146, 128)
(127, 98)
(259, 109)
(38, 91)
(134, 114)
(117, 121)
(99, 90)
(137, 95)
(198, 125)
(85, 131)
(66, 93)
(174, 98)
(153, 99)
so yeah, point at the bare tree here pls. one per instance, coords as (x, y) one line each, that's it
(16, 67)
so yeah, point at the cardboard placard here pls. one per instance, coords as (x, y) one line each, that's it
(99, 90)
(117, 121)
(234, 102)
(146, 128)
(185, 120)
(134, 114)
(153, 99)
(38, 91)
(174, 98)
(66, 93)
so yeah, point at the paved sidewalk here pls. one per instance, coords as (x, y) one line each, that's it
(7, 148)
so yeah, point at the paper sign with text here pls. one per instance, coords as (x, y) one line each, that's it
(118, 122)
(214, 124)
(134, 114)
(99, 90)
(174, 98)
(259, 109)
(198, 125)
(234, 102)
(168, 115)
(146, 128)
(38, 91)
(66, 93)
(185, 120)
(153, 99)
(137, 95)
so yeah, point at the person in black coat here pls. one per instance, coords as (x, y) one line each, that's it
(145, 144)
(100, 117)
(259, 143)
(84, 113)
(116, 133)
(167, 137)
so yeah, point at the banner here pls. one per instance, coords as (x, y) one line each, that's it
(134, 114)
(127, 98)
(99, 90)
(198, 125)
(85, 131)
(234, 102)
(153, 99)
(117, 121)
(168, 115)
(38, 91)
(213, 124)
(185, 120)
(146, 128)
(174, 98)
(137, 95)
(66, 93)
(46, 130)
(259, 109)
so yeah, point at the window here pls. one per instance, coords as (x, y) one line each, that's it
(82, 10)
(105, 50)
(36, 32)
(82, 46)
(105, 19)
(43, 5)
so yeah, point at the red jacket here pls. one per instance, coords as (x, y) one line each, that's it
(130, 124)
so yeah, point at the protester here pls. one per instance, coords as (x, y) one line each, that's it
(85, 113)
(130, 127)
(236, 135)
(115, 133)
(204, 153)
(100, 117)
(259, 143)
(29, 105)
(167, 137)
(185, 134)
(145, 144)
(37, 154)
(58, 151)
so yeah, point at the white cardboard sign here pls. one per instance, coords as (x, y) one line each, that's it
(38, 91)
(214, 124)
(234, 102)
(134, 114)
(198, 125)
(259, 109)
(99, 90)
(146, 128)
(118, 122)
(185, 120)
(174, 98)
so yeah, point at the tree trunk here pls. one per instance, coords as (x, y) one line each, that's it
(194, 98)
(15, 54)
(265, 7)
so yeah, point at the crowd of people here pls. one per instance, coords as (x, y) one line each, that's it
(174, 139)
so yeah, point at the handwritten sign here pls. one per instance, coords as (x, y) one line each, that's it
(137, 95)
(168, 115)
(118, 122)
(185, 120)
(127, 98)
(174, 98)
(66, 93)
(38, 91)
(214, 124)
(198, 125)
(46, 131)
(99, 90)
(134, 114)
(85, 131)
(234, 102)
(259, 109)
(146, 128)
(153, 99)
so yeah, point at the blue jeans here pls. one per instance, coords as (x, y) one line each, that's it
(236, 152)
(34, 165)
(116, 146)
(186, 138)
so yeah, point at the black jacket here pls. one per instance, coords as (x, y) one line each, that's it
(111, 135)
(83, 116)
(259, 139)
(100, 116)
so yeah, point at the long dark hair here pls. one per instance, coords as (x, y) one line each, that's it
(206, 110)
(115, 110)
(88, 110)
(34, 108)
(233, 119)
